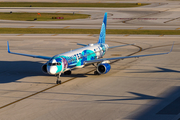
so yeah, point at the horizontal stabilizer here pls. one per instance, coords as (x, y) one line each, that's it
(81, 44)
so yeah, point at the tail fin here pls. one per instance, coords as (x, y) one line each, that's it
(102, 35)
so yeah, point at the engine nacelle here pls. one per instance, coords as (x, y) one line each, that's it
(103, 68)
(44, 68)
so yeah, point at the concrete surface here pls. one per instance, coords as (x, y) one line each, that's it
(133, 89)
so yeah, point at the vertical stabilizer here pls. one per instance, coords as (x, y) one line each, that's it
(102, 35)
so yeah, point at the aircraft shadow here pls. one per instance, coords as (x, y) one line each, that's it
(139, 96)
(165, 109)
(11, 71)
(74, 75)
(160, 70)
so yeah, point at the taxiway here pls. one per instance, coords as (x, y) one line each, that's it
(133, 88)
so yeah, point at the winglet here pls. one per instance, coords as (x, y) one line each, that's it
(8, 47)
(171, 48)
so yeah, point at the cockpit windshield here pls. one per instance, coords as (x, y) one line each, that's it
(53, 64)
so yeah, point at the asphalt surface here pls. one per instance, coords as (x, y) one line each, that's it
(135, 89)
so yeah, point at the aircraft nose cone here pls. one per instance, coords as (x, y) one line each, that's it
(52, 69)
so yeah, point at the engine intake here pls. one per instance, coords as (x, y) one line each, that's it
(44, 68)
(103, 68)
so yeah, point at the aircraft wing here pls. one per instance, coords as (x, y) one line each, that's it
(118, 58)
(120, 46)
(29, 55)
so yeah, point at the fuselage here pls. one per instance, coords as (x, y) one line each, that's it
(75, 58)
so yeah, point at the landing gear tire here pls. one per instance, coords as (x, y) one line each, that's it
(58, 82)
(96, 73)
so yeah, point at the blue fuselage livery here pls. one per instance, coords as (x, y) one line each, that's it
(78, 58)
(75, 58)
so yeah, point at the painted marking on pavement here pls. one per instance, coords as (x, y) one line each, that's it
(115, 54)
(90, 35)
(139, 28)
(171, 20)
(54, 35)
(20, 34)
(30, 26)
(66, 27)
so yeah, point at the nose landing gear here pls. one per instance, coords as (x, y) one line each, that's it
(58, 79)
(58, 76)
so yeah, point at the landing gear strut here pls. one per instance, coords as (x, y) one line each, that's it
(58, 79)
(96, 73)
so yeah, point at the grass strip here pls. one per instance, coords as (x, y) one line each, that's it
(42, 17)
(56, 4)
(84, 31)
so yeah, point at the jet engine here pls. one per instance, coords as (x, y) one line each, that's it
(103, 68)
(44, 68)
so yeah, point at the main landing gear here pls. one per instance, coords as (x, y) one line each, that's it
(67, 72)
(58, 79)
(96, 73)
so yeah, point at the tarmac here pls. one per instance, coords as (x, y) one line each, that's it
(144, 88)
(133, 89)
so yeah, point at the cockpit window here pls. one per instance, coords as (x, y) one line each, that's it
(52, 64)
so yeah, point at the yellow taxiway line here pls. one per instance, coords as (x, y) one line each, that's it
(66, 27)
(139, 28)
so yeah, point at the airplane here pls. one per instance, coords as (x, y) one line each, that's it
(79, 58)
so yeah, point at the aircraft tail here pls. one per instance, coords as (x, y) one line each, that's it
(102, 35)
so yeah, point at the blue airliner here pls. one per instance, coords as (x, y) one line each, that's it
(78, 58)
